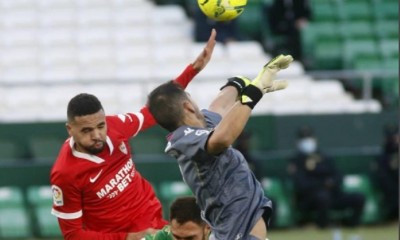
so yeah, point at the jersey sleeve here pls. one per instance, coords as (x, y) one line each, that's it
(130, 124)
(188, 141)
(186, 76)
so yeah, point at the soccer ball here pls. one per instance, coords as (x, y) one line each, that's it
(222, 10)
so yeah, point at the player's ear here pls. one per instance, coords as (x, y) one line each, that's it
(69, 129)
(207, 230)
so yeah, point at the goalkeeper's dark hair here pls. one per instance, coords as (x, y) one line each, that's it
(185, 209)
(83, 104)
(164, 104)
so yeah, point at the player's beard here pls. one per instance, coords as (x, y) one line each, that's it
(95, 150)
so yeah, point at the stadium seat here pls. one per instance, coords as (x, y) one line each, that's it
(386, 10)
(357, 30)
(354, 49)
(324, 11)
(362, 184)
(355, 10)
(51, 5)
(14, 223)
(131, 36)
(324, 46)
(389, 48)
(58, 18)
(168, 15)
(328, 54)
(274, 189)
(387, 29)
(14, 219)
(251, 21)
(40, 199)
(19, 38)
(169, 191)
(16, 18)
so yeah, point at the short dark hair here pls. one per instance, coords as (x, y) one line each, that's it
(185, 209)
(164, 104)
(83, 104)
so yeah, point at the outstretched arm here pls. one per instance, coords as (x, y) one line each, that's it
(199, 64)
(186, 76)
(235, 119)
(228, 95)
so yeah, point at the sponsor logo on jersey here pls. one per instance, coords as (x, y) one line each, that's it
(123, 148)
(57, 196)
(119, 182)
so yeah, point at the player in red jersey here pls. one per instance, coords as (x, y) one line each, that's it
(97, 192)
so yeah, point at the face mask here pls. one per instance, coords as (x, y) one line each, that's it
(307, 145)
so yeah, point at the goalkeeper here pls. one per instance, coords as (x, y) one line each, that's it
(230, 197)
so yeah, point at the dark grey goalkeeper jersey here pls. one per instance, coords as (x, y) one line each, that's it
(226, 190)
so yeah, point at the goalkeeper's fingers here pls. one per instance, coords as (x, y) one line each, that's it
(280, 62)
(277, 85)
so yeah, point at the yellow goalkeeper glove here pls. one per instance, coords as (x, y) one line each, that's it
(264, 80)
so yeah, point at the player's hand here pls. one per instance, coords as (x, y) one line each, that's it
(205, 56)
(264, 80)
(140, 235)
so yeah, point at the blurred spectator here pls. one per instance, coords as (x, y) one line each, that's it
(387, 172)
(242, 144)
(317, 183)
(286, 18)
(228, 31)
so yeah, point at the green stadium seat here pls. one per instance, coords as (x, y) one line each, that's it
(14, 218)
(368, 63)
(362, 184)
(328, 54)
(274, 189)
(357, 30)
(250, 22)
(357, 49)
(169, 191)
(40, 199)
(14, 223)
(388, 10)
(390, 84)
(355, 10)
(325, 11)
(11, 197)
(389, 48)
(387, 29)
(322, 45)
(174, 189)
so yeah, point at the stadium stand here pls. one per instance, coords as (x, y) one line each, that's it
(80, 45)
(52, 50)
(40, 200)
(14, 218)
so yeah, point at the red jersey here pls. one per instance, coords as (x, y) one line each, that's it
(103, 196)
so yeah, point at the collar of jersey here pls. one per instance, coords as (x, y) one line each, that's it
(89, 157)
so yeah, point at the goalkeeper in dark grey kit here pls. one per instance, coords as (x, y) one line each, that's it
(231, 199)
